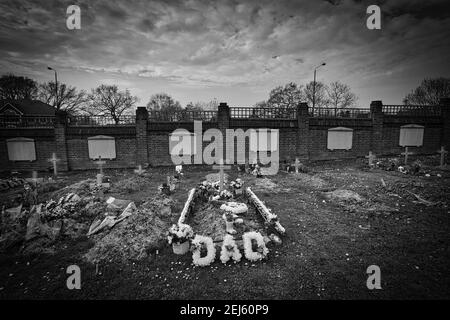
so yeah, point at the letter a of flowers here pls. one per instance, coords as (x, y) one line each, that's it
(229, 250)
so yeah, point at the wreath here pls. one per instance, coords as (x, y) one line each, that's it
(234, 207)
(261, 251)
(198, 243)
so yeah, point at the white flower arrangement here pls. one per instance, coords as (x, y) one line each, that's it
(262, 250)
(234, 207)
(229, 250)
(180, 233)
(197, 245)
(237, 184)
(225, 194)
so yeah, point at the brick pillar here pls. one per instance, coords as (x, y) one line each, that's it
(141, 136)
(223, 122)
(60, 140)
(445, 107)
(302, 151)
(376, 112)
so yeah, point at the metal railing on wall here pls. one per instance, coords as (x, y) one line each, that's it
(100, 121)
(263, 113)
(355, 113)
(13, 121)
(412, 110)
(180, 116)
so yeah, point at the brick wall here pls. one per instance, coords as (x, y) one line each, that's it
(147, 142)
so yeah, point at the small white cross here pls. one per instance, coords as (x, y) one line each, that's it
(443, 152)
(406, 154)
(100, 164)
(139, 170)
(221, 167)
(371, 158)
(297, 165)
(53, 160)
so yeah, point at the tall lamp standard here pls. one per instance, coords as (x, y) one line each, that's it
(314, 85)
(56, 86)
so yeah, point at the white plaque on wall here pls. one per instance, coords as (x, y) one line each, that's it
(21, 149)
(411, 135)
(102, 146)
(340, 138)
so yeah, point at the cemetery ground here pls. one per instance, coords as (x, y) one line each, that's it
(340, 218)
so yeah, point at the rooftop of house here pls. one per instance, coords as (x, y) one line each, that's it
(27, 107)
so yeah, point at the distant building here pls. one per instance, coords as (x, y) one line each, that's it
(26, 107)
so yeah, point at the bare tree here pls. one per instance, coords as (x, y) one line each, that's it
(67, 99)
(163, 102)
(340, 95)
(321, 99)
(15, 88)
(429, 92)
(286, 97)
(109, 101)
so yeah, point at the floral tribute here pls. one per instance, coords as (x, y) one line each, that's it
(180, 233)
(203, 248)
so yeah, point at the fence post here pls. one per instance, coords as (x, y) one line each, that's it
(60, 140)
(141, 136)
(376, 113)
(302, 151)
(444, 103)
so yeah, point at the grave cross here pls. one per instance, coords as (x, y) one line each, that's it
(406, 154)
(100, 164)
(139, 170)
(297, 165)
(443, 152)
(53, 160)
(34, 177)
(371, 158)
(221, 167)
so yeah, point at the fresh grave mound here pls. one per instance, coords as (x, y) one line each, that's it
(135, 237)
(305, 180)
(81, 188)
(266, 184)
(208, 221)
(343, 195)
(132, 184)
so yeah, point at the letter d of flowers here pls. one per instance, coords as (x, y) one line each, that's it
(197, 244)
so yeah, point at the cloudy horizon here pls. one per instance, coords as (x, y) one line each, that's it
(232, 51)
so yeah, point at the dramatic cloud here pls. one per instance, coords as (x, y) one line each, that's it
(234, 50)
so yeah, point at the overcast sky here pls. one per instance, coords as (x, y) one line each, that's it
(200, 50)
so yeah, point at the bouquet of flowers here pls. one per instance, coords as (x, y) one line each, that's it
(180, 233)
(237, 185)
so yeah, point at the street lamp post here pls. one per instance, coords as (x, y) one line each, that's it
(56, 86)
(314, 86)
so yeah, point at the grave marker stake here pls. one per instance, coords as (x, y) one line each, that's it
(443, 152)
(221, 167)
(371, 158)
